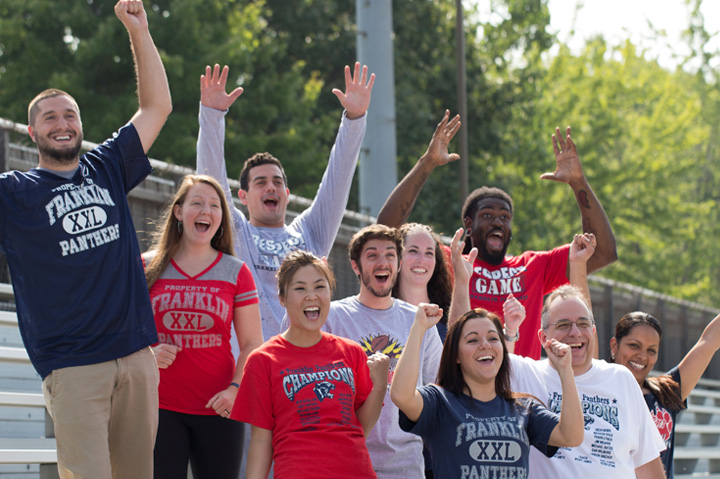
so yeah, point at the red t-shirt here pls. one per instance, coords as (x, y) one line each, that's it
(196, 313)
(308, 397)
(529, 277)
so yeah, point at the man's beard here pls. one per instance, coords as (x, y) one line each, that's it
(494, 258)
(378, 293)
(62, 156)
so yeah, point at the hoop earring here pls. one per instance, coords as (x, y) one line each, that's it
(468, 232)
(180, 227)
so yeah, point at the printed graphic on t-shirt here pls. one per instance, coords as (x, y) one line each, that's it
(488, 285)
(385, 344)
(664, 422)
(495, 443)
(601, 423)
(271, 253)
(325, 383)
(188, 314)
(78, 208)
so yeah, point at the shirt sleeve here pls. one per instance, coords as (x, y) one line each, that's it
(253, 404)
(245, 290)
(431, 356)
(674, 373)
(428, 421)
(124, 151)
(211, 153)
(541, 423)
(323, 217)
(556, 268)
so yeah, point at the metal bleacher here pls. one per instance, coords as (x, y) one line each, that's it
(25, 452)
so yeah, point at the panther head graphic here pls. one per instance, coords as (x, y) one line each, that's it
(323, 390)
(588, 420)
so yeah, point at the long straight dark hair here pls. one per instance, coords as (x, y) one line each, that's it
(665, 388)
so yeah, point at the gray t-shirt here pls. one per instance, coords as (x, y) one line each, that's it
(263, 249)
(395, 454)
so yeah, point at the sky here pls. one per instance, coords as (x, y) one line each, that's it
(617, 20)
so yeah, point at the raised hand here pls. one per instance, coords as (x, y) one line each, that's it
(428, 315)
(212, 88)
(582, 247)
(513, 314)
(132, 14)
(358, 90)
(559, 354)
(379, 365)
(437, 151)
(568, 166)
(165, 354)
(462, 265)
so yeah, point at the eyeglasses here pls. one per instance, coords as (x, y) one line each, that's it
(582, 324)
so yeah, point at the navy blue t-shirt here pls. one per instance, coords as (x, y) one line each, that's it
(74, 257)
(471, 438)
(665, 420)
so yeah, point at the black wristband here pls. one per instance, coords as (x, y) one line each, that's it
(235, 384)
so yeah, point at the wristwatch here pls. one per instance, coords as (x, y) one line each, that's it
(511, 339)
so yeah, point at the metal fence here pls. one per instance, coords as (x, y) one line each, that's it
(682, 321)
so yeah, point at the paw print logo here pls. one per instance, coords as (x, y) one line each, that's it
(663, 421)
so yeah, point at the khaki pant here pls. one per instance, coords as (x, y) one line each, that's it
(105, 417)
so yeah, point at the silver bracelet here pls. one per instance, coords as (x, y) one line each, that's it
(511, 339)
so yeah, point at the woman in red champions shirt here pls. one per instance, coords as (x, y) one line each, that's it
(310, 396)
(199, 290)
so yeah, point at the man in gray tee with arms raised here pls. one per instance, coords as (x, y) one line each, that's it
(262, 238)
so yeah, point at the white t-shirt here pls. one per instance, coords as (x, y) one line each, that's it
(620, 434)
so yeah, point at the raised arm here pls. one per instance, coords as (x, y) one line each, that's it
(403, 390)
(581, 250)
(463, 267)
(214, 103)
(569, 431)
(513, 316)
(698, 358)
(400, 203)
(594, 220)
(369, 412)
(323, 218)
(153, 90)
